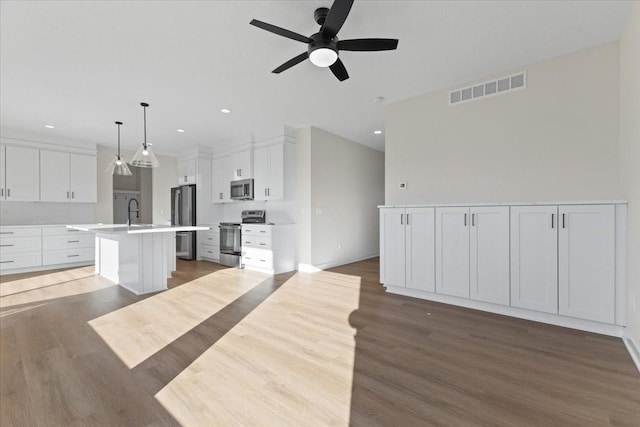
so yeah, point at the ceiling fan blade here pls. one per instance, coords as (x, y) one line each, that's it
(339, 71)
(290, 63)
(336, 17)
(367, 45)
(280, 31)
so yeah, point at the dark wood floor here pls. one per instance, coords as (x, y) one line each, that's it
(416, 362)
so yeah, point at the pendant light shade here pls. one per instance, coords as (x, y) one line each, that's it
(144, 157)
(117, 165)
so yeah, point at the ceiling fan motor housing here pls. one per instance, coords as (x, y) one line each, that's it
(319, 42)
(320, 15)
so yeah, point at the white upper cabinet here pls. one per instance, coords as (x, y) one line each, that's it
(83, 178)
(21, 174)
(241, 165)
(187, 172)
(221, 181)
(68, 177)
(452, 251)
(534, 258)
(489, 254)
(586, 262)
(269, 165)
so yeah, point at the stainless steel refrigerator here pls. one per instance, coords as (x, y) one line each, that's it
(183, 212)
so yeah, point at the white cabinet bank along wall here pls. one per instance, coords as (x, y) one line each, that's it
(562, 264)
(44, 173)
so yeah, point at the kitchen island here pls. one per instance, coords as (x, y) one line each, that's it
(138, 257)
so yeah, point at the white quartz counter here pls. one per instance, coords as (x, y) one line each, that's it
(136, 228)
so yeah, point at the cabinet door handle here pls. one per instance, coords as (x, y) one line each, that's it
(564, 225)
(73, 194)
(8, 192)
(263, 244)
(73, 241)
(407, 219)
(465, 220)
(67, 194)
(401, 219)
(6, 232)
(5, 262)
(1, 192)
(473, 219)
(552, 226)
(220, 196)
(263, 260)
(72, 256)
(5, 246)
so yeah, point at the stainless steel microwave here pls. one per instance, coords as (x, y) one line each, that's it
(242, 189)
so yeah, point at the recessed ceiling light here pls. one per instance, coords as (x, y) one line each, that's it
(225, 110)
(180, 130)
(377, 132)
(49, 126)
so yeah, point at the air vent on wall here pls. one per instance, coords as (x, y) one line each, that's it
(489, 88)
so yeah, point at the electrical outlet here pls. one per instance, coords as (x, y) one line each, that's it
(403, 185)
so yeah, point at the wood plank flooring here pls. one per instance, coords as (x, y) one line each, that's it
(231, 347)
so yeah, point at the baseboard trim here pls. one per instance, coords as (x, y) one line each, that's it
(552, 319)
(46, 267)
(311, 268)
(633, 349)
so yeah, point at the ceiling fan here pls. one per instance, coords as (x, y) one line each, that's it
(324, 46)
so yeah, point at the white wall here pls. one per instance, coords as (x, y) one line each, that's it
(555, 140)
(347, 184)
(303, 194)
(630, 155)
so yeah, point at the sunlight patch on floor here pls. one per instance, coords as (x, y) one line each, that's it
(289, 362)
(45, 287)
(139, 330)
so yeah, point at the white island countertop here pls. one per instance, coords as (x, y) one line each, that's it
(135, 228)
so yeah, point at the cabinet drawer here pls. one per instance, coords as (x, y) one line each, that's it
(20, 231)
(12, 245)
(257, 257)
(256, 230)
(210, 238)
(252, 241)
(68, 242)
(208, 251)
(60, 230)
(22, 260)
(67, 256)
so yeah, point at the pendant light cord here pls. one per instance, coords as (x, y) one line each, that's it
(145, 125)
(119, 123)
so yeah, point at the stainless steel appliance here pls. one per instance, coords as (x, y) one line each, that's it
(231, 237)
(230, 244)
(183, 212)
(242, 189)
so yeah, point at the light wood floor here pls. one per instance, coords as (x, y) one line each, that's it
(231, 347)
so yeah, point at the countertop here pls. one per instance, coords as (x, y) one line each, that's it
(427, 205)
(135, 228)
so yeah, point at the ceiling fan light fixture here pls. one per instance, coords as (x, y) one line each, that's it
(323, 57)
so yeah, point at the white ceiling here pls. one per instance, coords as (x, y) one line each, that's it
(82, 65)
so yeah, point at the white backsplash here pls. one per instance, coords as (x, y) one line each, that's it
(33, 213)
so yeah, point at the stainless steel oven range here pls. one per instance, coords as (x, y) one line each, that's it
(230, 237)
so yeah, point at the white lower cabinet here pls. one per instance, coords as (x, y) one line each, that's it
(534, 258)
(559, 261)
(267, 248)
(407, 236)
(209, 244)
(586, 267)
(489, 254)
(20, 248)
(452, 251)
(34, 247)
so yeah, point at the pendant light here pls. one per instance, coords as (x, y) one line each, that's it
(144, 157)
(117, 165)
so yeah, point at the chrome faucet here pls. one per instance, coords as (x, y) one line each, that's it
(129, 210)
